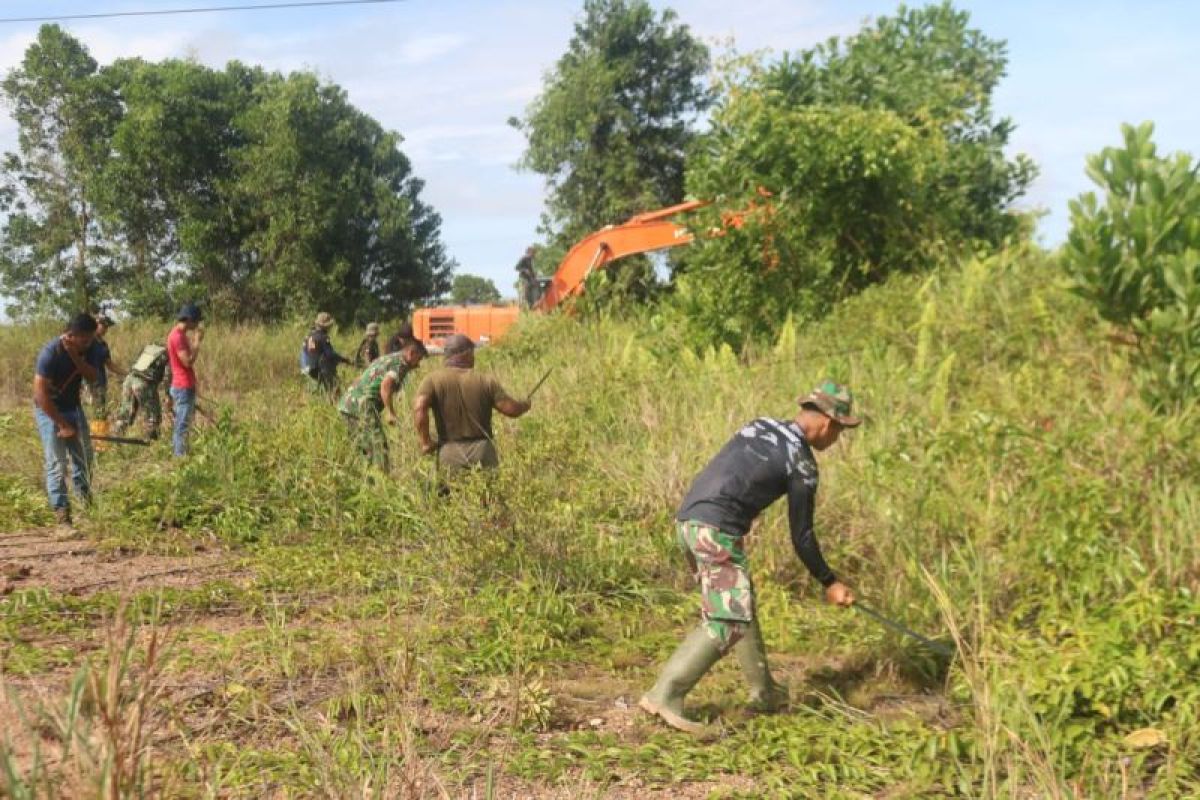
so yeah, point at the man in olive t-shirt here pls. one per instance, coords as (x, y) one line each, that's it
(462, 401)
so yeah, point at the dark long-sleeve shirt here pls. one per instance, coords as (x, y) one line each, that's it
(326, 358)
(763, 461)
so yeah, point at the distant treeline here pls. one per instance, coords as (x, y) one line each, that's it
(143, 184)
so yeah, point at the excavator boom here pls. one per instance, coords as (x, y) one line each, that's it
(643, 233)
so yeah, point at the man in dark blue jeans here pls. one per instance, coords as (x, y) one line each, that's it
(61, 368)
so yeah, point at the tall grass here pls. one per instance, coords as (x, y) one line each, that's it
(1008, 488)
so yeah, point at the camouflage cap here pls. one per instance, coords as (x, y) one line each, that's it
(372, 328)
(833, 400)
(324, 320)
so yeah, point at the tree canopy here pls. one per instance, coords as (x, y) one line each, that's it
(612, 126)
(473, 289)
(263, 194)
(855, 159)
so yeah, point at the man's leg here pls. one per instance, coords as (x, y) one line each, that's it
(765, 693)
(100, 401)
(185, 404)
(147, 398)
(55, 453)
(127, 413)
(727, 609)
(374, 440)
(79, 451)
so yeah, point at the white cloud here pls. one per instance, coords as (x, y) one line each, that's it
(423, 49)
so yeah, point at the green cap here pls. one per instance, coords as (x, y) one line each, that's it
(833, 400)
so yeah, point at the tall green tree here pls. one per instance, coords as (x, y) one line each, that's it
(611, 128)
(881, 154)
(332, 211)
(473, 289)
(161, 198)
(262, 194)
(50, 250)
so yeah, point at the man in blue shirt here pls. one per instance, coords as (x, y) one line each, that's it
(99, 387)
(61, 368)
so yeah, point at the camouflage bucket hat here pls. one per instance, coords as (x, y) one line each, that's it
(833, 400)
(373, 329)
(324, 320)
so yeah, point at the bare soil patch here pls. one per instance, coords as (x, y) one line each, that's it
(46, 558)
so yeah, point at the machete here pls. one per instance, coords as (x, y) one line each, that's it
(120, 440)
(537, 386)
(937, 647)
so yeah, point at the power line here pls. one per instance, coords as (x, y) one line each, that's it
(204, 10)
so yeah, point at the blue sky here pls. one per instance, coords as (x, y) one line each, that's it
(447, 74)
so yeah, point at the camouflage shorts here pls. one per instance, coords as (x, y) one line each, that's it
(723, 571)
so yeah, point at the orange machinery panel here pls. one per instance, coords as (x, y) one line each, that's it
(484, 324)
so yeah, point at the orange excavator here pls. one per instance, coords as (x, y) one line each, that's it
(641, 233)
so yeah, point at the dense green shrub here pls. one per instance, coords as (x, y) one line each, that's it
(1136, 256)
(881, 154)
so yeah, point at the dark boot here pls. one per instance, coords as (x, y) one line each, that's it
(765, 694)
(686, 666)
(64, 528)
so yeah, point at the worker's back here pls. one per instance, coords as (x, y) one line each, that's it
(462, 401)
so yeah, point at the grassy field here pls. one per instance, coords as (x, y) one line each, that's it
(268, 619)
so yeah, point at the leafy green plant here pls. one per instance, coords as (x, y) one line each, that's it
(1136, 256)
(847, 162)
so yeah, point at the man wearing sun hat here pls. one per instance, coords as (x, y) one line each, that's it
(765, 460)
(318, 360)
(368, 348)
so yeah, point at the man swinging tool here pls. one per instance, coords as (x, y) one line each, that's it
(766, 459)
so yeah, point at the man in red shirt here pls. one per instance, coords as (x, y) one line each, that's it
(182, 353)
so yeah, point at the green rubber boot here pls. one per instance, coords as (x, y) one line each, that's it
(686, 666)
(765, 694)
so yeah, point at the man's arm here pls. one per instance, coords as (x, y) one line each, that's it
(41, 396)
(801, 501)
(505, 404)
(111, 366)
(191, 349)
(387, 393)
(421, 421)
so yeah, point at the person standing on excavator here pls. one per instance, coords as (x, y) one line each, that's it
(765, 460)
(527, 279)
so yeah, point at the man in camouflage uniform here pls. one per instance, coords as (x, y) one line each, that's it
(373, 394)
(368, 348)
(766, 459)
(139, 391)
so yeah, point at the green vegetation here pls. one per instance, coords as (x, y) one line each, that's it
(145, 184)
(878, 154)
(1137, 258)
(1008, 493)
(270, 617)
(473, 289)
(611, 128)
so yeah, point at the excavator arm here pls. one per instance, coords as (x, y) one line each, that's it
(643, 233)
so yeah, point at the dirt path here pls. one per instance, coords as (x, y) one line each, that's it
(45, 558)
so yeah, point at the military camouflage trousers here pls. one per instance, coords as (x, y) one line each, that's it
(720, 566)
(138, 394)
(369, 436)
